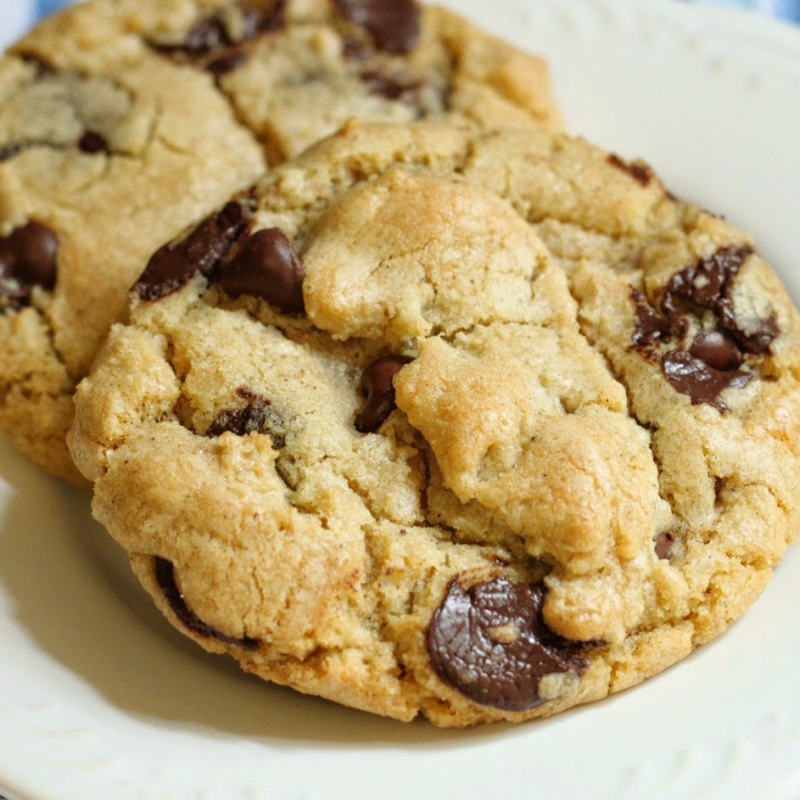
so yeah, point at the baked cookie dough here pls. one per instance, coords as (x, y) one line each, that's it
(297, 70)
(477, 425)
(124, 121)
(104, 152)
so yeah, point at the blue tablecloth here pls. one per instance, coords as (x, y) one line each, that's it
(783, 9)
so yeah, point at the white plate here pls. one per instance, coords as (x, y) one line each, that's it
(99, 699)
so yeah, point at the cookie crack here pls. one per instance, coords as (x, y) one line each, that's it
(381, 626)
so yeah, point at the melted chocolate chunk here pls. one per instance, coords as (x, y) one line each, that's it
(716, 350)
(377, 386)
(201, 251)
(356, 51)
(257, 416)
(210, 45)
(652, 328)
(490, 643)
(638, 170)
(393, 25)
(8, 151)
(28, 258)
(226, 64)
(93, 142)
(206, 35)
(710, 364)
(390, 87)
(663, 544)
(709, 285)
(165, 576)
(701, 382)
(267, 266)
(757, 338)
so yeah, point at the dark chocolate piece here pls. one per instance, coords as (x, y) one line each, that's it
(93, 142)
(393, 25)
(353, 50)
(28, 258)
(165, 577)
(8, 151)
(206, 35)
(710, 364)
(716, 350)
(226, 63)
(200, 251)
(638, 170)
(663, 544)
(653, 328)
(701, 382)
(209, 44)
(709, 285)
(267, 266)
(757, 338)
(391, 87)
(256, 416)
(377, 386)
(489, 642)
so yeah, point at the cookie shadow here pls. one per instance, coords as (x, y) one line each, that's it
(70, 590)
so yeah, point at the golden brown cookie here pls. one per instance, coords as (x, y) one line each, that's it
(124, 121)
(475, 425)
(100, 161)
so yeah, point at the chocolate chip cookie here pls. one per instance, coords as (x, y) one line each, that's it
(478, 425)
(124, 121)
(101, 157)
(297, 70)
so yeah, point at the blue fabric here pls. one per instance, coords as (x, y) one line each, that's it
(44, 7)
(782, 9)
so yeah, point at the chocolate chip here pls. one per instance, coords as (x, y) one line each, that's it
(206, 35)
(391, 87)
(200, 251)
(652, 328)
(709, 285)
(701, 382)
(261, 21)
(756, 338)
(8, 151)
(256, 416)
(638, 170)
(490, 643)
(93, 142)
(267, 266)
(716, 350)
(165, 577)
(226, 64)
(377, 386)
(353, 50)
(28, 258)
(663, 544)
(212, 33)
(210, 45)
(393, 25)
(711, 363)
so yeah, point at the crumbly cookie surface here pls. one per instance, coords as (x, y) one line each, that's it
(99, 162)
(124, 121)
(475, 425)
